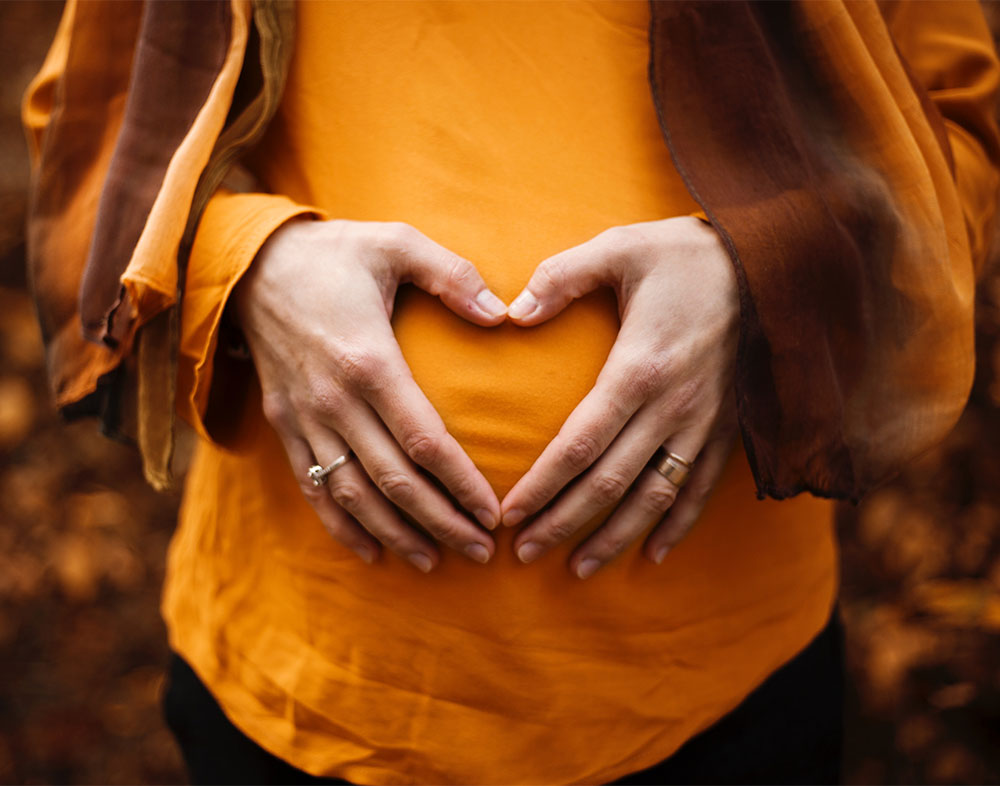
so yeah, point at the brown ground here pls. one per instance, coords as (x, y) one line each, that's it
(82, 542)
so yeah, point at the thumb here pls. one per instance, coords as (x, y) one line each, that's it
(450, 277)
(559, 280)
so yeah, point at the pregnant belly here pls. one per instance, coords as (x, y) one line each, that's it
(504, 392)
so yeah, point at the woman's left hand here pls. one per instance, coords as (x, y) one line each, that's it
(667, 383)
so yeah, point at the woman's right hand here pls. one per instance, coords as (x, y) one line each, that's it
(315, 308)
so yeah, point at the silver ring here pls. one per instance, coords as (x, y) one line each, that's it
(674, 468)
(318, 475)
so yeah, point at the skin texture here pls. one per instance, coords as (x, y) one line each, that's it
(330, 384)
(667, 382)
(315, 309)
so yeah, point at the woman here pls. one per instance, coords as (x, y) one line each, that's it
(493, 154)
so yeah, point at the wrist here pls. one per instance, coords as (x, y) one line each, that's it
(255, 280)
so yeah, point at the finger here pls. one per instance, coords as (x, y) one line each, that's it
(645, 505)
(691, 501)
(452, 278)
(341, 527)
(566, 276)
(402, 484)
(351, 489)
(603, 486)
(391, 390)
(618, 392)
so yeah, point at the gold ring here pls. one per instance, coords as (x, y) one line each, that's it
(674, 468)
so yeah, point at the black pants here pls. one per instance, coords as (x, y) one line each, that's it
(787, 731)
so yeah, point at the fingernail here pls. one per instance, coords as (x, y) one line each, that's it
(587, 568)
(486, 517)
(513, 517)
(365, 554)
(528, 552)
(422, 561)
(478, 552)
(523, 305)
(491, 304)
(660, 554)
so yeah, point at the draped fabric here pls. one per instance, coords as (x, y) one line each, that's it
(798, 126)
(497, 673)
(848, 155)
(826, 168)
(137, 114)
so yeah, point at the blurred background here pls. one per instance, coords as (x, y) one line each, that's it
(83, 539)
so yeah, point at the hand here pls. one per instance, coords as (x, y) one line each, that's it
(667, 382)
(315, 308)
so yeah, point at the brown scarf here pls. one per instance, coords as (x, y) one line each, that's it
(796, 126)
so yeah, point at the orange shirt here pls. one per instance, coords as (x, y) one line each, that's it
(506, 132)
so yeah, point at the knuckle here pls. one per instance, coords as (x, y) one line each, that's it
(646, 377)
(394, 539)
(276, 409)
(314, 494)
(619, 242)
(615, 238)
(362, 368)
(699, 488)
(423, 448)
(659, 500)
(397, 486)
(460, 274)
(558, 529)
(581, 451)
(322, 397)
(444, 531)
(399, 235)
(612, 546)
(608, 488)
(551, 275)
(463, 488)
(683, 399)
(346, 493)
(671, 535)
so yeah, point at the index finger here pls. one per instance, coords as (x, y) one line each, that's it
(585, 435)
(420, 431)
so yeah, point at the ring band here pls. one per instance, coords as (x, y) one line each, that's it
(674, 468)
(679, 460)
(318, 475)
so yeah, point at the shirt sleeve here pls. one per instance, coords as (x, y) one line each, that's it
(231, 231)
(949, 49)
